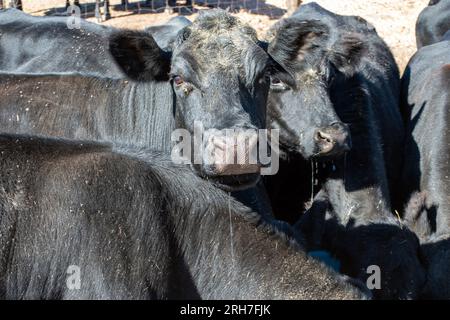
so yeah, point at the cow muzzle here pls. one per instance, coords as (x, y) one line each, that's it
(333, 140)
(228, 154)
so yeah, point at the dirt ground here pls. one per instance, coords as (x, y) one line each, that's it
(393, 19)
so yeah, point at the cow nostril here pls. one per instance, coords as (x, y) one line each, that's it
(333, 140)
(320, 136)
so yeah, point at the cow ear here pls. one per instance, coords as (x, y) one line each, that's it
(139, 56)
(292, 40)
(347, 54)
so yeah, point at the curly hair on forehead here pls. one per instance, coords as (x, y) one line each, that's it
(218, 21)
(219, 36)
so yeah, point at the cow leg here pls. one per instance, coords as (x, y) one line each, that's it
(76, 3)
(67, 4)
(97, 11)
(125, 4)
(171, 3)
(1, 4)
(106, 10)
(17, 4)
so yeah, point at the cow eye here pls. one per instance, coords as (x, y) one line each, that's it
(277, 84)
(275, 81)
(178, 80)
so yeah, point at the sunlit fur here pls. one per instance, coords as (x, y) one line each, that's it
(139, 227)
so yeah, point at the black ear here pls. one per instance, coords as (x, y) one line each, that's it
(347, 54)
(292, 40)
(139, 56)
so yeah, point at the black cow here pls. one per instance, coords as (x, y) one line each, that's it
(433, 23)
(338, 113)
(144, 113)
(31, 44)
(132, 225)
(426, 101)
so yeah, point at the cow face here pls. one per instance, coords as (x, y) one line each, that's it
(302, 105)
(218, 71)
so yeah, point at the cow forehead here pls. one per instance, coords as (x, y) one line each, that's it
(219, 49)
(217, 22)
(218, 40)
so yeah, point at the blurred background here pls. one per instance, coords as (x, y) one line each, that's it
(394, 20)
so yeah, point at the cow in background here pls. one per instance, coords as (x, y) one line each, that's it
(341, 135)
(433, 23)
(32, 44)
(426, 175)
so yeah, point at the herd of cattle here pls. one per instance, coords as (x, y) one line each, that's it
(86, 117)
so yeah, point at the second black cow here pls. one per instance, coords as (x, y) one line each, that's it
(341, 129)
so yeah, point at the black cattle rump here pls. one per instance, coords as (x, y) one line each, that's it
(341, 132)
(46, 44)
(138, 227)
(433, 23)
(31, 44)
(426, 103)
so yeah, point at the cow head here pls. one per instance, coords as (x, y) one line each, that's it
(218, 71)
(302, 100)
